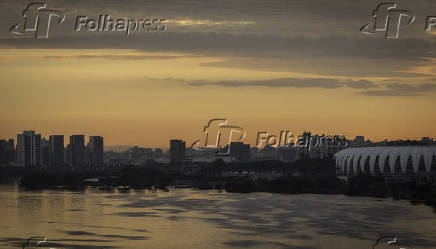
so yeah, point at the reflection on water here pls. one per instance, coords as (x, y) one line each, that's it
(185, 218)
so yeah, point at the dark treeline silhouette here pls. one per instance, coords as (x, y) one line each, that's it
(314, 176)
(407, 143)
(134, 177)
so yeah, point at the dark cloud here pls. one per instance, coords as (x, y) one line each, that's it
(292, 82)
(278, 16)
(286, 82)
(402, 90)
(113, 57)
(314, 37)
(281, 28)
(327, 66)
(245, 45)
(389, 93)
(361, 84)
(426, 87)
(333, 56)
(376, 89)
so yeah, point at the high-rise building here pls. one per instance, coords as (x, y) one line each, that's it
(7, 152)
(240, 151)
(12, 151)
(177, 150)
(4, 152)
(29, 149)
(45, 152)
(67, 154)
(303, 144)
(96, 150)
(4, 155)
(56, 150)
(77, 147)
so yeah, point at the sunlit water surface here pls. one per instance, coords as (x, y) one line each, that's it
(189, 219)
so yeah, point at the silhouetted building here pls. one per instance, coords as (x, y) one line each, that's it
(240, 151)
(359, 141)
(29, 149)
(77, 147)
(67, 155)
(288, 153)
(177, 151)
(7, 152)
(45, 152)
(303, 144)
(12, 151)
(158, 153)
(427, 140)
(96, 150)
(4, 153)
(57, 150)
(267, 153)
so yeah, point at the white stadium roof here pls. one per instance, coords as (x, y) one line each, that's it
(349, 157)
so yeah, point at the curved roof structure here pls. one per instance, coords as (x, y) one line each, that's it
(419, 157)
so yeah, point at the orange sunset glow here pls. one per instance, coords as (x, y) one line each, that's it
(148, 88)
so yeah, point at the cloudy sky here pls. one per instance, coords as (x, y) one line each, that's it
(266, 65)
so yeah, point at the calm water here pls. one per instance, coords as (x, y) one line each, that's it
(185, 218)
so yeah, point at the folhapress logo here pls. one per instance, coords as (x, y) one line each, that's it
(388, 19)
(38, 20)
(219, 133)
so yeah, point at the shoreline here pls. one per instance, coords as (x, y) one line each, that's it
(300, 177)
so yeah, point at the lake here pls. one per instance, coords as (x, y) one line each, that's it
(92, 218)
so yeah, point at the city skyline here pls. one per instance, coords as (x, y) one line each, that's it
(34, 150)
(359, 138)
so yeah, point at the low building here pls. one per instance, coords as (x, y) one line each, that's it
(177, 151)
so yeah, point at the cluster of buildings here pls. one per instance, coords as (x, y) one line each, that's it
(135, 156)
(310, 146)
(34, 151)
(179, 153)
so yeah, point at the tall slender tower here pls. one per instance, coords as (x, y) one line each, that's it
(96, 150)
(29, 149)
(77, 147)
(56, 150)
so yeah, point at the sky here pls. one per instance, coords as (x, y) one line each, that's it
(265, 65)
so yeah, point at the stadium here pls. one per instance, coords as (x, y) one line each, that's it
(387, 161)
